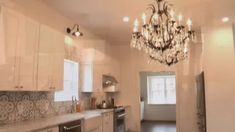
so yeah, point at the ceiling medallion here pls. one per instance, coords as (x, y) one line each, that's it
(164, 38)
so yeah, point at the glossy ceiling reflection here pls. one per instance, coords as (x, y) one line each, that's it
(104, 17)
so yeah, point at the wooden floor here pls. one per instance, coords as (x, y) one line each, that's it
(151, 126)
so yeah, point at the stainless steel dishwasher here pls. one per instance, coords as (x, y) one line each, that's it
(74, 126)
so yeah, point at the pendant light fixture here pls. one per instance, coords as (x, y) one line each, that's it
(162, 35)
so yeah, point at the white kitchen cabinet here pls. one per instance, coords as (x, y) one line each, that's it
(19, 38)
(108, 122)
(31, 55)
(87, 78)
(51, 129)
(10, 22)
(92, 77)
(50, 59)
(29, 35)
(93, 124)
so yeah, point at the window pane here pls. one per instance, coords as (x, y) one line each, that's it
(70, 82)
(161, 90)
(157, 90)
(170, 90)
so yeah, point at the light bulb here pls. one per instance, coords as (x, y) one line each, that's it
(136, 25)
(77, 33)
(172, 13)
(180, 17)
(189, 23)
(144, 18)
(155, 16)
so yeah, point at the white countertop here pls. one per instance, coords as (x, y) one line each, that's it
(34, 125)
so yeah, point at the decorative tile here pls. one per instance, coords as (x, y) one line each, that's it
(21, 106)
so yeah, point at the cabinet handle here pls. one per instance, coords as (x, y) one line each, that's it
(72, 127)
(17, 87)
(21, 87)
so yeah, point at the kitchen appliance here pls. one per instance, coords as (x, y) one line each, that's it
(74, 126)
(119, 119)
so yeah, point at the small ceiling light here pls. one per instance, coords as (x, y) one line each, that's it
(225, 19)
(75, 31)
(126, 19)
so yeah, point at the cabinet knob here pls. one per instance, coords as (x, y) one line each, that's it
(21, 87)
(16, 86)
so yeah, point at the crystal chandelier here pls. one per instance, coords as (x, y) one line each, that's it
(164, 38)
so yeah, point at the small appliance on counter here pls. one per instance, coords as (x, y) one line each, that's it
(110, 104)
(103, 105)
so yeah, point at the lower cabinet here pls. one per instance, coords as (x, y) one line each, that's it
(108, 122)
(93, 124)
(51, 129)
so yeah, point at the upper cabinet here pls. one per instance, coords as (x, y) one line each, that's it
(28, 42)
(19, 38)
(87, 78)
(50, 59)
(31, 54)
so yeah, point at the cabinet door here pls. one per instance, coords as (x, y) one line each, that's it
(28, 41)
(87, 77)
(108, 122)
(50, 59)
(58, 55)
(44, 81)
(111, 122)
(9, 31)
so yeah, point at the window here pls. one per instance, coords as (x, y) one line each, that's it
(70, 82)
(161, 89)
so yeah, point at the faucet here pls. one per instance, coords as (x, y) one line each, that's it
(73, 105)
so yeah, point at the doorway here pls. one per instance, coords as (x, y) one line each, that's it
(158, 101)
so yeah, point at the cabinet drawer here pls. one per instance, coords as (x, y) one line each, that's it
(51, 129)
(93, 124)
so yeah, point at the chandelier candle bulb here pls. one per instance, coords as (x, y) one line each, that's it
(144, 18)
(172, 13)
(180, 18)
(189, 23)
(136, 25)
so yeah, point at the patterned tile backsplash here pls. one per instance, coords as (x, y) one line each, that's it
(21, 106)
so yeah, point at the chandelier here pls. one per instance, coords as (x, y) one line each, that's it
(162, 36)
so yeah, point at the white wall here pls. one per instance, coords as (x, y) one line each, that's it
(133, 62)
(219, 65)
(155, 112)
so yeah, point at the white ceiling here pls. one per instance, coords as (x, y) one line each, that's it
(104, 17)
